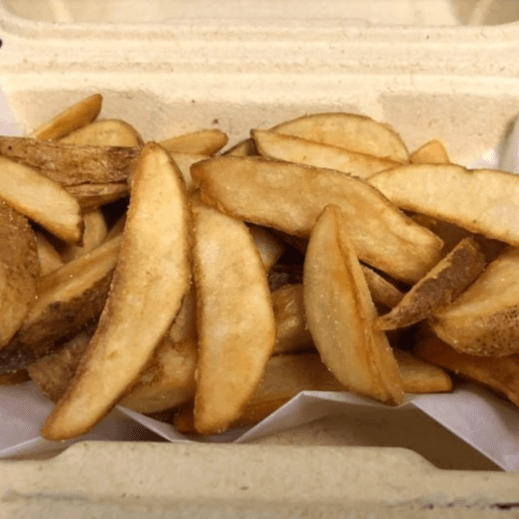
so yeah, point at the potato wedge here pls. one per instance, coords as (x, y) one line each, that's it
(295, 149)
(69, 298)
(17, 377)
(19, 271)
(289, 197)
(49, 257)
(482, 201)
(41, 200)
(349, 131)
(152, 276)
(292, 333)
(236, 325)
(382, 291)
(105, 132)
(184, 161)
(500, 374)
(432, 152)
(245, 148)
(340, 313)
(203, 142)
(72, 118)
(93, 196)
(439, 287)
(483, 319)
(270, 247)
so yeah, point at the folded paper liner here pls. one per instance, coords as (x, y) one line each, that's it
(486, 422)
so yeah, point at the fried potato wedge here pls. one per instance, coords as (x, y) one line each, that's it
(19, 271)
(105, 132)
(482, 201)
(72, 118)
(152, 276)
(432, 152)
(236, 325)
(245, 148)
(69, 298)
(17, 377)
(92, 196)
(349, 131)
(184, 161)
(340, 313)
(289, 197)
(93, 236)
(439, 287)
(295, 149)
(382, 291)
(49, 257)
(500, 374)
(41, 200)
(292, 333)
(483, 319)
(270, 247)
(203, 142)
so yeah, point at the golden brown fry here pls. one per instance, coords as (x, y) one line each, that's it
(270, 248)
(41, 200)
(382, 291)
(292, 333)
(203, 142)
(482, 201)
(49, 258)
(92, 196)
(151, 279)
(19, 271)
(432, 152)
(350, 131)
(245, 148)
(439, 287)
(340, 313)
(236, 325)
(483, 319)
(17, 377)
(71, 164)
(105, 132)
(72, 118)
(289, 197)
(184, 161)
(68, 299)
(295, 149)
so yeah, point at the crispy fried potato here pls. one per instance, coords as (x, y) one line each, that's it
(349, 131)
(340, 313)
(41, 200)
(483, 319)
(93, 236)
(72, 118)
(236, 325)
(482, 201)
(49, 257)
(71, 164)
(500, 374)
(17, 377)
(184, 161)
(150, 280)
(245, 148)
(282, 274)
(289, 197)
(295, 149)
(68, 299)
(92, 196)
(203, 142)
(292, 333)
(106, 132)
(432, 152)
(439, 287)
(382, 291)
(270, 247)
(19, 271)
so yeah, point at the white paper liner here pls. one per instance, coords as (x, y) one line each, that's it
(486, 422)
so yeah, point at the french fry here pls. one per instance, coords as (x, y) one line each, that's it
(236, 325)
(19, 271)
(340, 313)
(151, 278)
(92, 196)
(482, 201)
(41, 200)
(269, 246)
(74, 117)
(105, 132)
(245, 148)
(439, 287)
(302, 151)
(49, 257)
(203, 142)
(17, 377)
(381, 290)
(432, 152)
(350, 131)
(289, 197)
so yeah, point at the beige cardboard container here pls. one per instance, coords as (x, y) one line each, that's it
(431, 68)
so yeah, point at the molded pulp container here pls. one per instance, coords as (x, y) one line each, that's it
(431, 68)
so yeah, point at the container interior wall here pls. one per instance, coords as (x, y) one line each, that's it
(384, 12)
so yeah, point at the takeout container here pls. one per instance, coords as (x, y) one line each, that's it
(170, 68)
